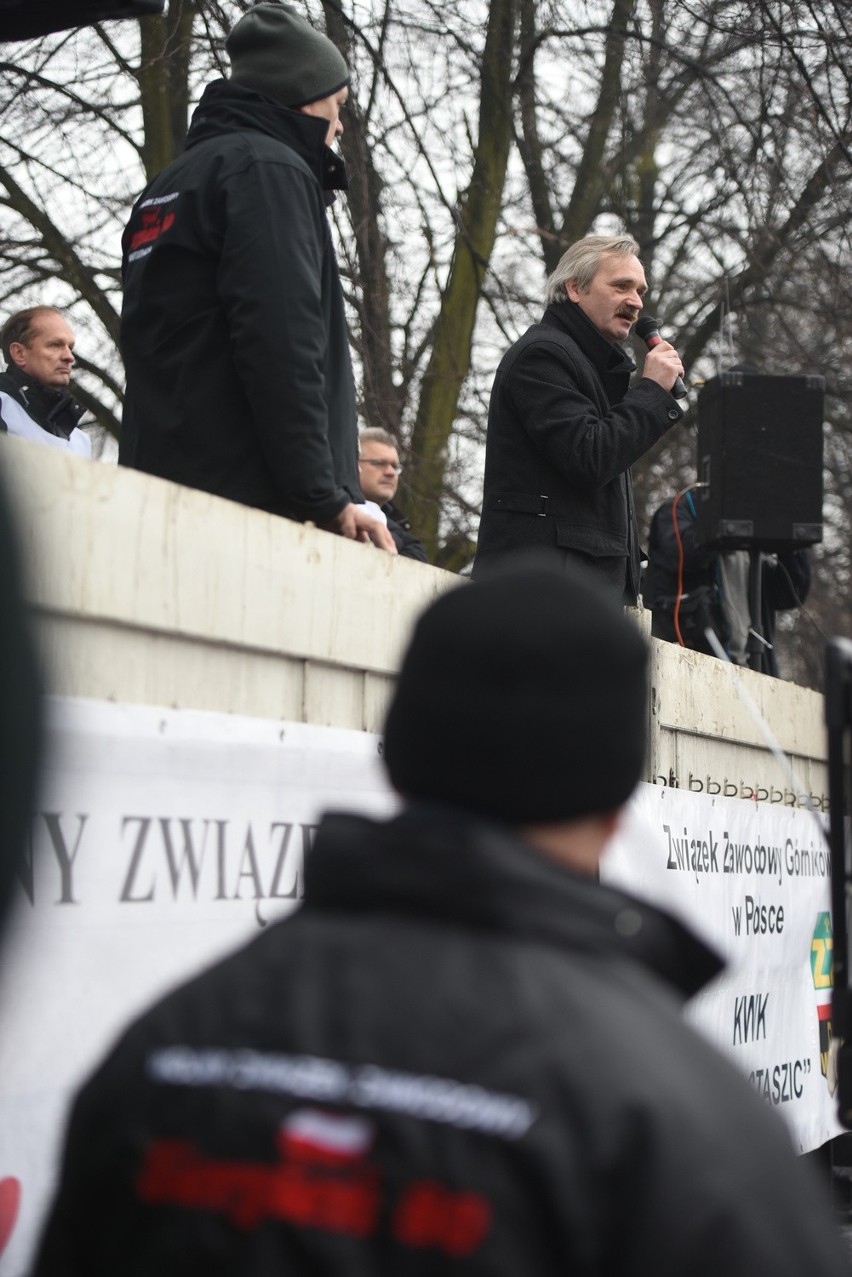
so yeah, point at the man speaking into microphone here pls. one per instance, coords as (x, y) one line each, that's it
(565, 424)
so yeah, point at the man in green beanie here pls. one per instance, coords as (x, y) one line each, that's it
(239, 379)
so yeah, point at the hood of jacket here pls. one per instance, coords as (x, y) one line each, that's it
(229, 108)
(434, 862)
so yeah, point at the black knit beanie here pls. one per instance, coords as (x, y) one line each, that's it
(276, 52)
(522, 698)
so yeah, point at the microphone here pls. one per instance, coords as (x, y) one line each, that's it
(647, 330)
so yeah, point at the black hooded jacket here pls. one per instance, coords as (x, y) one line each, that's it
(239, 380)
(457, 1057)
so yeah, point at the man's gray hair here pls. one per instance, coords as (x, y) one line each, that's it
(375, 434)
(581, 262)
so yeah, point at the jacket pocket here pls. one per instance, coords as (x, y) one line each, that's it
(597, 542)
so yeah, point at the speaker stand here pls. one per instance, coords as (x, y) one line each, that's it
(756, 645)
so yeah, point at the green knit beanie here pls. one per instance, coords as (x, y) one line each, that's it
(279, 54)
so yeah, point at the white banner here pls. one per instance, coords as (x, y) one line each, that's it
(753, 880)
(162, 840)
(165, 838)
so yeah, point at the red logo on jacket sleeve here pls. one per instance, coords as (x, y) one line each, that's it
(151, 220)
(154, 223)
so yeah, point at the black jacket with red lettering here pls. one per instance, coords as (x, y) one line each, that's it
(233, 332)
(456, 1057)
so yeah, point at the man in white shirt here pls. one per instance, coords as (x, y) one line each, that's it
(35, 402)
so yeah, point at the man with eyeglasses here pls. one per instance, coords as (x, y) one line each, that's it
(379, 471)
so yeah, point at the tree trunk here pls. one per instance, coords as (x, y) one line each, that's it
(163, 78)
(381, 399)
(589, 182)
(476, 230)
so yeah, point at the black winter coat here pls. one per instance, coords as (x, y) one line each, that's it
(399, 527)
(457, 1057)
(56, 411)
(564, 426)
(239, 380)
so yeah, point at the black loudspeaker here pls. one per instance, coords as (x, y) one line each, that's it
(760, 454)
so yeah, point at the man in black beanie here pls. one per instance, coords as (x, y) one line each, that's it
(463, 1054)
(233, 332)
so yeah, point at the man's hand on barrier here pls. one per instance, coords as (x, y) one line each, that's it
(354, 523)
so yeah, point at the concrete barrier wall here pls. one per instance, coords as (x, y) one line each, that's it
(713, 727)
(151, 593)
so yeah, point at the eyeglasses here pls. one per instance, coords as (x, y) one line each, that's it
(380, 465)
